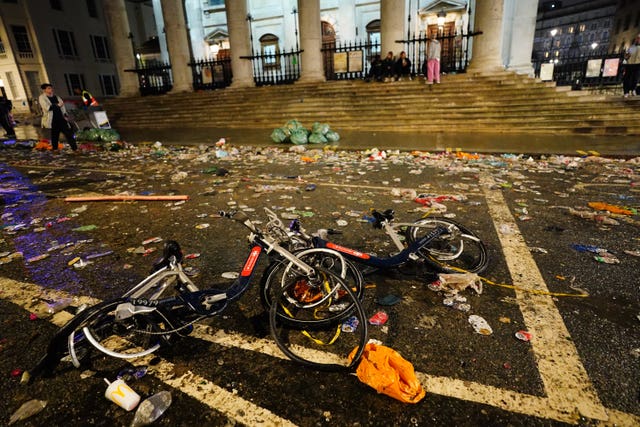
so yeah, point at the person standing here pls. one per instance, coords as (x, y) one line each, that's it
(54, 117)
(433, 60)
(631, 68)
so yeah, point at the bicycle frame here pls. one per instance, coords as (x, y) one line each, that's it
(144, 298)
(406, 254)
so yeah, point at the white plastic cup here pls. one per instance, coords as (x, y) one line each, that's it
(122, 395)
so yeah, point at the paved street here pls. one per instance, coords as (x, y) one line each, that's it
(559, 269)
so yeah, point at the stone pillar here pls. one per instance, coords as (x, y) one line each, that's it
(312, 68)
(239, 43)
(521, 33)
(175, 30)
(487, 47)
(193, 9)
(115, 14)
(392, 21)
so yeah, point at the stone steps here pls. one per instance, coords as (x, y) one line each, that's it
(500, 103)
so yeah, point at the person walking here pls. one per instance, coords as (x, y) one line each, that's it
(54, 117)
(433, 60)
(631, 69)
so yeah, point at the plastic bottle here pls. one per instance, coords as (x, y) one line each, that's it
(27, 410)
(58, 305)
(150, 409)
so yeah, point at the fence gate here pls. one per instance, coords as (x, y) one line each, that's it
(350, 60)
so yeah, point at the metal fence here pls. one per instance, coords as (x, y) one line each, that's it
(454, 55)
(348, 60)
(211, 74)
(279, 68)
(154, 78)
(596, 70)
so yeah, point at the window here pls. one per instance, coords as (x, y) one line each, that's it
(74, 81)
(108, 84)
(23, 45)
(100, 48)
(55, 4)
(270, 51)
(65, 43)
(2, 51)
(92, 10)
(570, 30)
(582, 27)
(216, 3)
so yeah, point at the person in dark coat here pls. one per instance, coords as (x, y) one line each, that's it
(388, 67)
(376, 70)
(5, 117)
(403, 67)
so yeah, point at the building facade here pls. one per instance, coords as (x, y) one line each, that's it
(62, 42)
(572, 28)
(95, 44)
(626, 25)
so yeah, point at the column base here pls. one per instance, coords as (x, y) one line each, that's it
(312, 78)
(242, 83)
(526, 69)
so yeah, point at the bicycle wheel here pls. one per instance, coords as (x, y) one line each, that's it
(322, 294)
(317, 338)
(116, 332)
(457, 250)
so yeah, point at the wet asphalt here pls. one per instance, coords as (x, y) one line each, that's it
(436, 339)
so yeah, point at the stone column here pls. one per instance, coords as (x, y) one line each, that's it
(115, 14)
(392, 21)
(239, 43)
(521, 34)
(312, 68)
(487, 47)
(193, 9)
(175, 30)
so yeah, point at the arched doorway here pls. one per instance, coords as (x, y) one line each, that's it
(328, 46)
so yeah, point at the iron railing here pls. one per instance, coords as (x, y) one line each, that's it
(597, 69)
(210, 74)
(454, 54)
(348, 60)
(278, 68)
(154, 78)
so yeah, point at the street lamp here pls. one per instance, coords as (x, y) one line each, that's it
(553, 34)
(594, 45)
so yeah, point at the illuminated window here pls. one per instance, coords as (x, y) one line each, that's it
(270, 51)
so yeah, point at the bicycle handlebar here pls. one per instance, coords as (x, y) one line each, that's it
(240, 217)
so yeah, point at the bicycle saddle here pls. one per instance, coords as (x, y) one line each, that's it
(384, 216)
(171, 249)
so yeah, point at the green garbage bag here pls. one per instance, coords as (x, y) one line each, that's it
(81, 135)
(109, 135)
(317, 138)
(299, 137)
(293, 125)
(321, 128)
(332, 136)
(278, 135)
(93, 135)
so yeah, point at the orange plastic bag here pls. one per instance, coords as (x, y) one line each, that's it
(601, 206)
(386, 371)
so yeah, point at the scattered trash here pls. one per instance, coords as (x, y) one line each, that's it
(523, 336)
(37, 258)
(456, 282)
(601, 206)
(380, 318)
(59, 305)
(351, 324)
(480, 325)
(385, 370)
(85, 228)
(151, 409)
(230, 275)
(151, 240)
(388, 300)
(121, 394)
(27, 410)
(135, 373)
